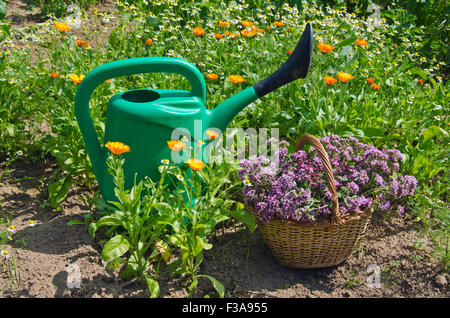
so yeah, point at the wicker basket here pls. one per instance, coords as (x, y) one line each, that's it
(315, 245)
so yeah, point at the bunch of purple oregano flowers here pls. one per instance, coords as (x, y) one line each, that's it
(294, 186)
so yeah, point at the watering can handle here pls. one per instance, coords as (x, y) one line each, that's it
(121, 68)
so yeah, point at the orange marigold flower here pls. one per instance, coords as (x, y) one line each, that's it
(419, 81)
(395, 44)
(82, 43)
(176, 145)
(224, 24)
(148, 42)
(248, 33)
(62, 27)
(370, 80)
(260, 30)
(212, 134)
(247, 24)
(289, 52)
(344, 77)
(329, 80)
(218, 36)
(376, 87)
(278, 23)
(196, 164)
(212, 76)
(361, 42)
(76, 79)
(117, 148)
(236, 79)
(325, 48)
(198, 31)
(54, 75)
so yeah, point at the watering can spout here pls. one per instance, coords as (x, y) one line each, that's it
(295, 67)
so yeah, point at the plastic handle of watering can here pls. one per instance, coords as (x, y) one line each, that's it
(121, 68)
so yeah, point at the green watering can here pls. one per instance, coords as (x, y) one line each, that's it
(144, 119)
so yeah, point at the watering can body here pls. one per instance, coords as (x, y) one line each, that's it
(144, 119)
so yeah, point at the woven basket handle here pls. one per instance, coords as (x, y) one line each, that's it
(315, 142)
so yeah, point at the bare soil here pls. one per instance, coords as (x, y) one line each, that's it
(239, 259)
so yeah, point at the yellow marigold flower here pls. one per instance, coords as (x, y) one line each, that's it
(176, 145)
(329, 80)
(198, 31)
(117, 148)
(247, 24)
(325, 48)
(211, 134)
(278, 23)
(236, 79)
(212, 76)
(376, 87)
(62, 27)
(344, 77)
(196, 164)
(361, 42)
(224, 24)
(76, 79)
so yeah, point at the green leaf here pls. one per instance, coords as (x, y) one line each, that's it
(217, 285)
(419, 162)
(347, 42)
(131, 270)
(373, 132)
(92, 229)
(111, 265)
(58, 191)
(115, 247)
(431, 132)
(153, 286)
(2, 9)
(73, 222)
(109, 220)
(10, 129)
(200, 245)
(244, 217)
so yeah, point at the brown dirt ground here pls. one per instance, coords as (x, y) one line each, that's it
(240, 260)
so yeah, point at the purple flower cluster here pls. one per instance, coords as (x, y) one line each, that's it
(294, 187)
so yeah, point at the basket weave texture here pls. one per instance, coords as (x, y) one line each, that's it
(315, 245)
